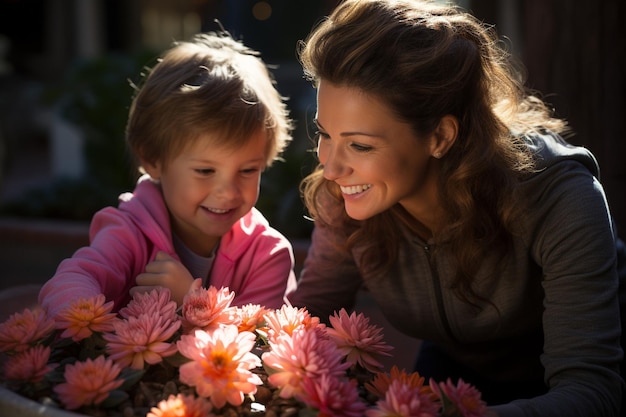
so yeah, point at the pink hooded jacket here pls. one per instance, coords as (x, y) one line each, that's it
(254, 260)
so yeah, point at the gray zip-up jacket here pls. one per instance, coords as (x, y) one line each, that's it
(557, 313)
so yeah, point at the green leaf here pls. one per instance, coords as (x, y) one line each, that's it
(131, 377)
(115, 398)
(177, 359)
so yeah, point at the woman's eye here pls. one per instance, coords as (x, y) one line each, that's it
(322, 135)
(361, 148)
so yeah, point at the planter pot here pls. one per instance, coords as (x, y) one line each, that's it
(14, 405)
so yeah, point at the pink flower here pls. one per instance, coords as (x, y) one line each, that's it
(288, 319)
(89, 382)
(403, 400)
(141, 339)
(182, 406)
(220, 364)
(462, 399)
(207, 308)
(21, 330)
(84, 317)
(155, 302)
(29, 366)
(332, 396)
(359, 341)
(304, 354)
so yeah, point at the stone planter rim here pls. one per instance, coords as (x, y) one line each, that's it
(15, 405)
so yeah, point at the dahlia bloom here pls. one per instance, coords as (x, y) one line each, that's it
(182, 406)
(461, 399)
(28, 366)
(332, 396)
(250, 317)
(359, 341)
(155, 302)
(308, 365)
(288, 319)
(89, 382)
(381, 381)
(207, 308)
(220, 364)
(85, 316)
(404, 400)
(303, 354)
(141, 339)
(21, 330)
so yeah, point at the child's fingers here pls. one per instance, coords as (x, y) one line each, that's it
(148, 279)
(140, 289)
(162, 256)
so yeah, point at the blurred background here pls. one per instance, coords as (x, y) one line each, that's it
(66, 68)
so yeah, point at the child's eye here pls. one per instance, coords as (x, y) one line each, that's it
(250, 170)
(204, 171)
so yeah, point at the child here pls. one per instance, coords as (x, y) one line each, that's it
(203, 126)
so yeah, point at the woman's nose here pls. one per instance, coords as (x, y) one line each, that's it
(333, 162)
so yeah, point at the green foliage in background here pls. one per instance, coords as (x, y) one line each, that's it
(95, 96)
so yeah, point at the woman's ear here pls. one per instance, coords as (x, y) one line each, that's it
(445, 135)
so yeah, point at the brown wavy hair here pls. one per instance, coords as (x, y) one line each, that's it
(426, 61)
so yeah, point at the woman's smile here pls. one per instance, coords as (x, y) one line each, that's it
(355, 189)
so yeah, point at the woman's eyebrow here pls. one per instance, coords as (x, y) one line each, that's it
(351, 133)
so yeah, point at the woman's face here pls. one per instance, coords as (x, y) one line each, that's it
(376, 159)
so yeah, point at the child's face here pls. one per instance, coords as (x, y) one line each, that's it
(207, 188)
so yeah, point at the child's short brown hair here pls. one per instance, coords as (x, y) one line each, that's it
(211, 84)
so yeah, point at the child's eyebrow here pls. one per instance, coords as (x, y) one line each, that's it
(260, 159)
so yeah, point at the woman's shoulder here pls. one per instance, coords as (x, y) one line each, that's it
(549, 149)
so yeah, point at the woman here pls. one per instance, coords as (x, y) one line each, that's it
(446, 190)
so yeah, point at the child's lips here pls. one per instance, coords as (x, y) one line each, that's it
(217, 210)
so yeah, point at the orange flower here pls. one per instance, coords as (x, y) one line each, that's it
(29, 366)
(89, 382)
(288, 319)
(21, 330)
(381, 382)
(84, 317)
(220, 364)
(250, 316)
(155, 302)
(207, 308)
(359, 341)
(182, 406)
(141, 339)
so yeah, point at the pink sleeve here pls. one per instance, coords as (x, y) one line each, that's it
(270, 276)
(262, 274)
(109, 265)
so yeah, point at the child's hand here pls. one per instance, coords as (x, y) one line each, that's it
(167, 272)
